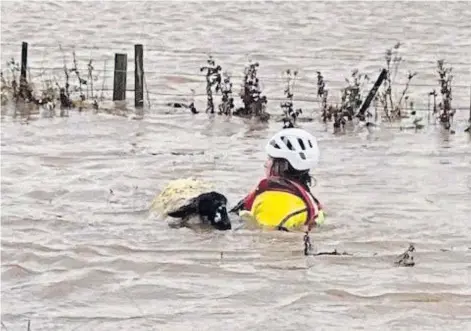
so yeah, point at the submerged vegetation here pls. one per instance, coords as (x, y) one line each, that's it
(394, 106)
(351, 100)
(357, 101)
(387, 100)
(219, 81)
(290, 115)
(22, 97)
(213, 81)
(251, 94)
(446, 112)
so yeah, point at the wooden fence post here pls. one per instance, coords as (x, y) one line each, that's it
(24, 60)
(138, 76)
(371, 95)
(120, 70)
(24, 68)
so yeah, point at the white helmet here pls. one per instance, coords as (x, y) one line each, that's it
(297, 146)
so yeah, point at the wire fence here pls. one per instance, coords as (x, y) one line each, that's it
(201, 77)
(171, 74)
(375, 56)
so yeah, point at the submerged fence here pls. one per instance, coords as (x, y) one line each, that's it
(162, 76)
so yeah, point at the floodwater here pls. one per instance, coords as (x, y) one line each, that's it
(80, 251)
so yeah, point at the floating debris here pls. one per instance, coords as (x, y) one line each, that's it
(406, 259)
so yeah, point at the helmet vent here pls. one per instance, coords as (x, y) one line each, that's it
(288, 143)
(302, 155)
(301, 143)
(274, 144)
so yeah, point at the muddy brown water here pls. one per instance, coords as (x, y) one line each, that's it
(77, 257)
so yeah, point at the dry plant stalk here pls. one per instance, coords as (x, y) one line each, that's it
(328, 111)
(393, 110)
(446, 77)
(23, 95)
(352, 94)
(322, 93)
(289, 113)
(81, 81)
(251, 95)
(64, 92)
(9, 86)
(50, 90)
(351, 99)
(227, 101)
(213, 78)
(90, 79)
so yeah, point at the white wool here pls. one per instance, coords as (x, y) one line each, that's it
(178, 192)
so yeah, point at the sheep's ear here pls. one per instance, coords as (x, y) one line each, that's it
(187, 210)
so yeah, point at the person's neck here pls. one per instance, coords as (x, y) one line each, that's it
(296, 180)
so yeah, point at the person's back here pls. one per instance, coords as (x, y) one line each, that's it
(283, 199)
